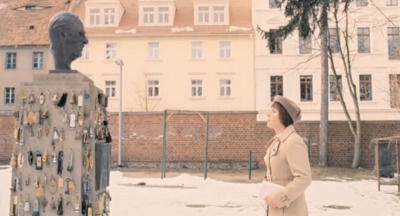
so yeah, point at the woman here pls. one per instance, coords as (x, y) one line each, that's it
(286, 161)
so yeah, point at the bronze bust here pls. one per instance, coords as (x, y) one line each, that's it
(67, 39)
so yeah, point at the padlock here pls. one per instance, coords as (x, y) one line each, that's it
(41, 98)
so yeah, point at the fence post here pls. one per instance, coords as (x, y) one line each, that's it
(250, 152)
(206, 159)
(164, 146)
(309, 145)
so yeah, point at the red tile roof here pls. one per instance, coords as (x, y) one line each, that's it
(239, 15)
(19, 27)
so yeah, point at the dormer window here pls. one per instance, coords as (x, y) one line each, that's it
(101, 13)
(95, 17)
(163, 15)
(204, 14)
(211, 12)
(156, 12)
(219, 14)
(148, 15)
(109, 16)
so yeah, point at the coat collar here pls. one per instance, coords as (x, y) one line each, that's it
(285, 133)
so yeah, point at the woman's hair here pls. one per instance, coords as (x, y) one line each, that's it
(284, 116)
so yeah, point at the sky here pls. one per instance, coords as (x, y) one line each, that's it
(187, 195)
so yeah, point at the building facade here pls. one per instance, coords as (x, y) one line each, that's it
(24, 44)
(293, 68)
(177, 54)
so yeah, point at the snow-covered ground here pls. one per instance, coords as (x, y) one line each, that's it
(187, 195)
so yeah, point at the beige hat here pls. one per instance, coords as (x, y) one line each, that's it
(292, 108)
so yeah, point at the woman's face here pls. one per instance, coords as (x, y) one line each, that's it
(273, 120)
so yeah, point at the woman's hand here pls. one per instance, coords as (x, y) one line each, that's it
(269, 202)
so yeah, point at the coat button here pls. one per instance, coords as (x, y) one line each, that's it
(284, 198)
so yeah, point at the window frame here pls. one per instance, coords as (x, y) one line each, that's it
(148, 16)
(196, 88)
(307, 82)
(362, 37)
(153, 52)
(110, 88)
(274, 3)
(392, 2)
(305, 44)
(85, 53)
(109, 15)
(9, 95)
(364, 86)
(333, 38)
(394, 85)
(11, 61)
(37, 58)
(333, 89)
(225, 88)
(361, 3)
(154, 85)
(196, 50)
(393, 34)
(276, 82)
(225, 50)
(163, 16)
(94, 17)
(111, 51)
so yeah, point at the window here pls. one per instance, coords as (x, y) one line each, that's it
(94, 16)
(306, 93)
(153, 49)
(153, 88)
(197, 50)
(333, 88)
(111, 51)
(394, 42)
(85, 53)
(109, 16)
(197, 88)
(148, 15)
(163, 15)
(274, 3)
(110, 89)
(392, 2)
(365, 88)
(361, 3)
(394, 90)
(276, 86)
(9, 95)
(37, 62)
(225, 88)
(204, 14)
(276, 46)
(11, 60)
(225, 50)
(305, 44)
(363, 40)
(219, 14)
(333, 42)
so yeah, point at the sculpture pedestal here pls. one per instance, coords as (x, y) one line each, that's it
(61, 151)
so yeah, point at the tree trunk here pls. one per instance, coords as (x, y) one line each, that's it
(323, 137)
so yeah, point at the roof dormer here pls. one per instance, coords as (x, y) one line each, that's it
(211, 12)
(156, 12)
(103, 13)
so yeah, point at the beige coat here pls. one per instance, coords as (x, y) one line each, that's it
(288, 165)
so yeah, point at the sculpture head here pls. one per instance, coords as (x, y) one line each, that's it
(67, 39)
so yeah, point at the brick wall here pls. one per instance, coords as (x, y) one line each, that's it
(231, 136)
